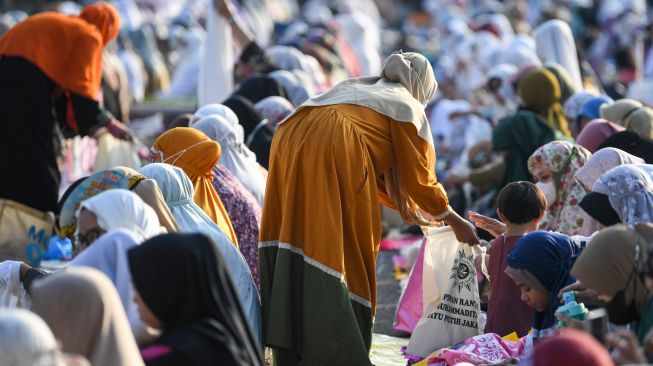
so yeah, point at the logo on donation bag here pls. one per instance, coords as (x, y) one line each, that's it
(460, 304)
(451, 299)
(463, 272)
(36, 245)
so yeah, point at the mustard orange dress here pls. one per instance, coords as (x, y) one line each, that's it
(321, 227)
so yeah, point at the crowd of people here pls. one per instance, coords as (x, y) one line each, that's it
(247, 231)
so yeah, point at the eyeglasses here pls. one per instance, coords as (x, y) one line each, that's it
(82, 241)
(157, 156)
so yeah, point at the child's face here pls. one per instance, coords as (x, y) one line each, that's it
(533, 298)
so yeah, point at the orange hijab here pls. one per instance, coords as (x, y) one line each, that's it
(68, 49)
(196, 154)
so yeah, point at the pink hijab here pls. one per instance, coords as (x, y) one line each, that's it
(596, 132)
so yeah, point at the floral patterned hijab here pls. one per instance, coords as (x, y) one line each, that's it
(562, 159)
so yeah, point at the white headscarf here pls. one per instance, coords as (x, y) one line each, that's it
(236, 157)
(108, 254)
(123, 209)
(364, 37)
(504, 72)
(630, 191)
(502, 23)
(25, 340)
(221, 110)
(274, 109)
(440, 118)
(187, 73)
(555, 43)
(297, 93)
(217, 64)
(602, 161)
(521, 52)
(178, 192)
(289, 58)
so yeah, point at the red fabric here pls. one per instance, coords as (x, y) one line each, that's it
(571, 347)
(507, 313)
(70, 114)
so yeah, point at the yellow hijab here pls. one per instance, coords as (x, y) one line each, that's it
(197, 154)
(540, 92)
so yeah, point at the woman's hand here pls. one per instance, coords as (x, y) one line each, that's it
(571, 322)
(583, 294)
(628, 350)
(463, 229)
(492, 226)
(119, 130)
(22, 272)
(453, 181)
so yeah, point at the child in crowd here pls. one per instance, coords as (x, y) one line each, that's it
(521, 207)
(540, 265)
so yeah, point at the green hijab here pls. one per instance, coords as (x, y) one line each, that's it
(519, 136)
(567, 87)
(540, 92)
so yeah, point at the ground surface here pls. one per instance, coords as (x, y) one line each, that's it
(387, 294)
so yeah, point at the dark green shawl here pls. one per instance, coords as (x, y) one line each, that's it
(519, 136)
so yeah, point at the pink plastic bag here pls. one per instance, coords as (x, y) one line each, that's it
(411, 304)
(481, 350)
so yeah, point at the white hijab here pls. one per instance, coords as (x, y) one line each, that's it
(108, 254)
(364, 37)
(602, 161)
(26, 340)
(187, 72)
(554, 42)
(216, 67)
(289, 58)
(221, 110)
(235, 156)
(521, 52)
(123, 209)
(297, 92)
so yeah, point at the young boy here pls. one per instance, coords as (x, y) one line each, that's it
(520, 206)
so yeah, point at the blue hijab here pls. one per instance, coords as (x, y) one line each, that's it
(592, 107)
(549, 257)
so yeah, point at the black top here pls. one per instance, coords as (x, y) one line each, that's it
(598, 206)
(260, 142)
(183, 280)
(255, 58)
(259, 87)
(631, 143)
(34, 112)
(247, 114)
